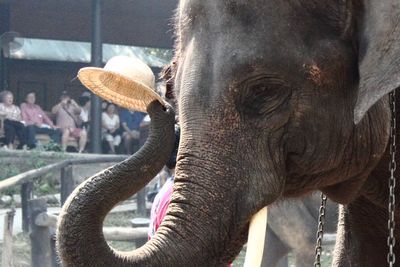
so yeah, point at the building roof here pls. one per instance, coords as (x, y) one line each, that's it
(146, 23)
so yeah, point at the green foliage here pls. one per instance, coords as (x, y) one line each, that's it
(9, 171)
(43, 185)
(44, 188)
(34, 160)
(165, 54)
(52, 146)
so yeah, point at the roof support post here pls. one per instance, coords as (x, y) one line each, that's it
(4, 27)
(97, 56)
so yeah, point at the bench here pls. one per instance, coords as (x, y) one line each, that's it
(44, 139)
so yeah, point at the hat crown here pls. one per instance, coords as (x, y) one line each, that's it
(132, 68)
(125, 81)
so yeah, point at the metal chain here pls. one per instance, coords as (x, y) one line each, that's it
(391, 257)
(391, 241)
(320, 232)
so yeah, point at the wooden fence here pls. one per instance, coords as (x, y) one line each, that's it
(7, 258)
(42, 234)
(41, 225)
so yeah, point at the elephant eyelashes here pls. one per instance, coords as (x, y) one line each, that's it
(258, 100)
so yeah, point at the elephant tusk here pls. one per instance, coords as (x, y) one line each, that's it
(256, 238)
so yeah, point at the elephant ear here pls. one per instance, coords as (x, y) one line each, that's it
(379, 53)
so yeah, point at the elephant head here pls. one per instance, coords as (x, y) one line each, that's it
(275, 99)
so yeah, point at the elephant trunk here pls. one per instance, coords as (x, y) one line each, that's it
(80, 239)
(203, 226)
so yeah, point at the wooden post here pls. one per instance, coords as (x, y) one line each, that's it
(49, 220)
(7, 258)
(125, 234)
(26, 195)
(46, 220)
(140, 222)
(55, 262)
(141, 203)
(40, 236)
(67, 183)
(96, 61)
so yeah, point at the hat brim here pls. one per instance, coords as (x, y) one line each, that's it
(118, 89)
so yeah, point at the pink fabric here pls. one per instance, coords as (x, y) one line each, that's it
(159, 208)
(63, 119)
(34, 115)
(76, 132)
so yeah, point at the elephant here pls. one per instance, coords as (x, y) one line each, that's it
(276, 99)
(292, 227)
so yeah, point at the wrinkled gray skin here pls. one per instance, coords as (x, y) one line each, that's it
(292, 228)
(268, 93)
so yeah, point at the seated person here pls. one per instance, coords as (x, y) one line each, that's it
(110, 127)
(104, 105)
(37, 122)
(68, 120)
(130, 126)
(84, 102)
(13, 124)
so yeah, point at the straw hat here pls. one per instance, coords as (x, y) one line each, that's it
(125, 81)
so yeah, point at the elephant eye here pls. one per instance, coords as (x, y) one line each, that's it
(261, 99)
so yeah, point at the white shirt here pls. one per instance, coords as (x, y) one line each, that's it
(84, 115)
(110, 122)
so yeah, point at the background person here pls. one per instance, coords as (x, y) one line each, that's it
(111, 127)
(130, 126)
(104, 105)
(68, 120)
(163, 197)
(13, 124)
(84, 102)
(37, 122)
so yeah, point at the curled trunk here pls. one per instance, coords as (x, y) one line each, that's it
(80, 238)
(203, 226)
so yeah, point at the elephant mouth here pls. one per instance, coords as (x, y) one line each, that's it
(256, 238)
